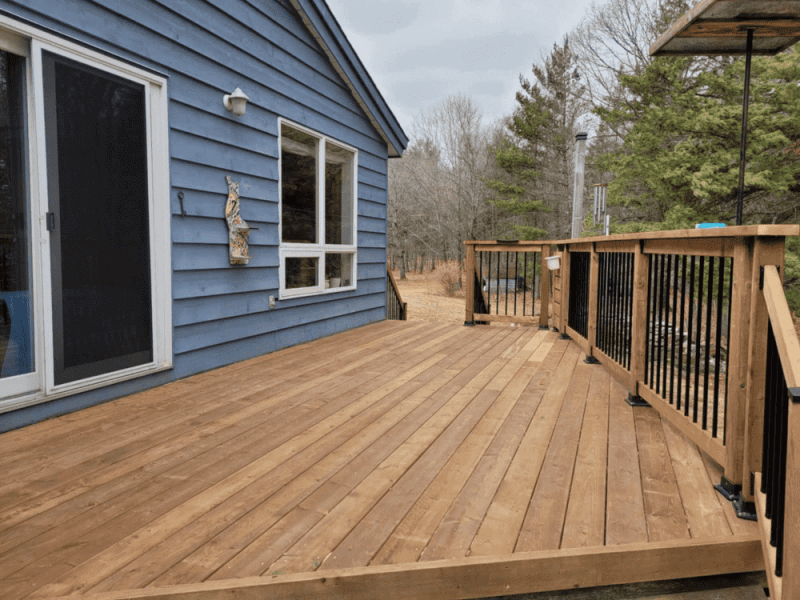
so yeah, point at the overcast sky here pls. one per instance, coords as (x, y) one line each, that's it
(419, 52)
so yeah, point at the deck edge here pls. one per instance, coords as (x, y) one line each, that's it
(481, 577)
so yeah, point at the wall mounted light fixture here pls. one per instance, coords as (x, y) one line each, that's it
(236, 102)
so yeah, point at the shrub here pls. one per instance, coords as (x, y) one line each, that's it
(448, 275)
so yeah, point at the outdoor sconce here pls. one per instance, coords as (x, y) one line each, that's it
(236, 102)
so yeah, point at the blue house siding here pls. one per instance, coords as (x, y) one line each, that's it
(221, 313)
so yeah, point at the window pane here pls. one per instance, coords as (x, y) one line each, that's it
(16, 324)
(95, 125)
(298, 187)
(301, 272)
(338, 269)
(338, 195)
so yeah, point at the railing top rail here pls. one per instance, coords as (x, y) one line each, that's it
(489, 244)
(676, 234)
(782, 326)
(740, 231)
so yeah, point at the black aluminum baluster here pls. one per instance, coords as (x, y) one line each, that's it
(689, 340)
(666, 325)
(709, 303)
(628, 309)
(517, 281)
(769, 405)
(680, 332)
(507, 278)
(728, 355)
(674, 284)
(660, 323)
(718, 340)
(698, 340)
(648, 327)
(619, 321)
(524, 287)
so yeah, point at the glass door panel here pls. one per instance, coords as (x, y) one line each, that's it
(16, 297)
(95, 128)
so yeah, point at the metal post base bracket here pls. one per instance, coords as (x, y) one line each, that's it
(591, 360)
(563, 336)
(545, 327)
(469, 323)
(744, 509)
(729, 490)
(636, 400)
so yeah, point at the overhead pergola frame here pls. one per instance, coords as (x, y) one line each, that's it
(731, 28)
(719, 27)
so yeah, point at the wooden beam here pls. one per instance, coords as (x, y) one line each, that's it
(791, 525)
(701, 437)
(782, 326)
(544, 289)
(591, 329)
(621, 246)
(737, 363)
(641, 276)
(469, 288)
(507, 319)
(764, 527)
(693, 247)
(581, 341)
(766, 251)
(581, 247)
(617, 370)
(481, 577)
(565, 265)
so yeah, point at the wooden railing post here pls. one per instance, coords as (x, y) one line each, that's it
(641, 277)
(738, 344)
(766, 251)
(469, 289)
(564, 290)
(591, 329)
(544, 290)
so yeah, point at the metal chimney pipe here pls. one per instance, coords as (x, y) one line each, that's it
(577, 196)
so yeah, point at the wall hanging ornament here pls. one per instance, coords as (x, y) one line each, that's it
(238, 230)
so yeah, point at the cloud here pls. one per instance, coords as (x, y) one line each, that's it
(418, 53)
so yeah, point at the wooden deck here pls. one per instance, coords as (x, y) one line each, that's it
(421, 460)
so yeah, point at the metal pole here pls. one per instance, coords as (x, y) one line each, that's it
(577, 196)
(745, 107)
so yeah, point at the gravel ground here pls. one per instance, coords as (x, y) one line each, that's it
(428, 302)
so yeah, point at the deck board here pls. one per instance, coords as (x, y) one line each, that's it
(366, 454)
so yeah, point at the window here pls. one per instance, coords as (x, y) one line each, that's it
(318, 213)
(84, 155)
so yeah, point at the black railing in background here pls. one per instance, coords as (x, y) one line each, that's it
(688, 320)
(396, 309)
(615, 305)
(480, 306)
(578, 316)
(773, 457)
(508, 283)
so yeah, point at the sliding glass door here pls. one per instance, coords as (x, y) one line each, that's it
(97, 176)
(17, 363)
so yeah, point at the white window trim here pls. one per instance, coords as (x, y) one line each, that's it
(157, 100)
(291, 250)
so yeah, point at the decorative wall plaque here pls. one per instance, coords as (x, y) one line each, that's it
(238, 230)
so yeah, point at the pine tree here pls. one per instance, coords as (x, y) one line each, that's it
(534, 156)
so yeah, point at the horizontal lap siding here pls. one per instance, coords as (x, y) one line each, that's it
(221, 313)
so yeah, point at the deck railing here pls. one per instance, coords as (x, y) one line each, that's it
(669, 313)
(396, 309)
(675, 315)
(778, 483)
(506, 279)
